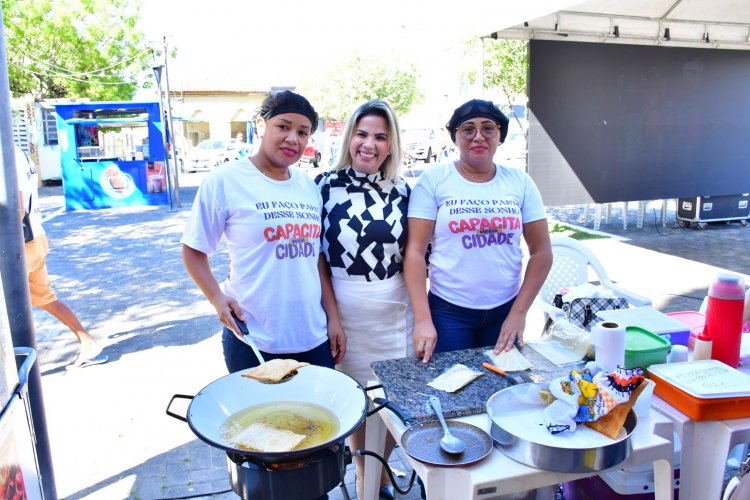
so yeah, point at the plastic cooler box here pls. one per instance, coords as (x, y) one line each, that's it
(644, 348)
(692, 319)
(635, 483)
(620, 484)
(650, 319)
(703, 390)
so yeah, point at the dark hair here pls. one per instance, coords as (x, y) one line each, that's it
(478, 108)
(287, 102)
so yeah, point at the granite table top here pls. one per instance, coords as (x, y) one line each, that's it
(405, 381)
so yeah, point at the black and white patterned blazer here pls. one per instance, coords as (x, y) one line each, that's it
(364, 224)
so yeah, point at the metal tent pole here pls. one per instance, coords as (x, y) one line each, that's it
(13, 275)
(178, 203)
(170, 189)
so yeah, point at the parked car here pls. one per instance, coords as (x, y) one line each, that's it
(514, 146)
(412, 172)
(512, 152)
(311, 154)
(210, 153)
(422, 144)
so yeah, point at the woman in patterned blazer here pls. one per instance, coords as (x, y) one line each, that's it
(365, 204)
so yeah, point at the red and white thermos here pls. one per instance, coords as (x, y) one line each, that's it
(726, 300)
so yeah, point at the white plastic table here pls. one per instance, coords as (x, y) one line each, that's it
(705, 448)
(498, 475)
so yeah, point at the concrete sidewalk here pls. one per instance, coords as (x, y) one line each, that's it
(120, 271)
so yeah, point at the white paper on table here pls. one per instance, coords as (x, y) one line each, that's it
(558, 352)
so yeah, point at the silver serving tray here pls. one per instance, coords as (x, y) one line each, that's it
(518, 429)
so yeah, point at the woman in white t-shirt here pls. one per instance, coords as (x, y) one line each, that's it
(269, 214)
(474, 213)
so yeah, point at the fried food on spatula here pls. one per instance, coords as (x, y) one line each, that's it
(611, 423)
(275, 370)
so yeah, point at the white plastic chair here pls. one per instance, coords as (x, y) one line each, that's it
(570, 267)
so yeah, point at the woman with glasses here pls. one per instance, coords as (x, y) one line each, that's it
(474, 213)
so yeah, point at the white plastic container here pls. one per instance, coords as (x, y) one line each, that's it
(650, 319)
(639, 479)
(633, 483)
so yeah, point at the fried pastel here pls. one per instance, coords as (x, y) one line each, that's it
(275, 370)
(611, 423)
(264, 437)
(546, 396)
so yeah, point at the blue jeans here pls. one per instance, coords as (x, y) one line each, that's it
(239, 356)
(463, 328)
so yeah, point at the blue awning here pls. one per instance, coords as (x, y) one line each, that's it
(104, 121)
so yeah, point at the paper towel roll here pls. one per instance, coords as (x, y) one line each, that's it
(608, 339)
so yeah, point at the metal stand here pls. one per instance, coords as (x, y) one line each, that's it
(173, 185)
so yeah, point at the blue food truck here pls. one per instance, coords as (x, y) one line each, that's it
(112, 154)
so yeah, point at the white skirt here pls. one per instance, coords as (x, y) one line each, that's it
(378, 322)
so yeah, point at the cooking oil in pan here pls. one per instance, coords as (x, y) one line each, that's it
(317, 423)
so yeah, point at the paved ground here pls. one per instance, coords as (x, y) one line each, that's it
(120, 270)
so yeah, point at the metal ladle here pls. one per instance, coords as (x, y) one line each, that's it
(449, 443)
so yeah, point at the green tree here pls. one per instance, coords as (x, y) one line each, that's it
(505, 66)
(74, 48)
(338, 92)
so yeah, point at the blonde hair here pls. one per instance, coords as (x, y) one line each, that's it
(391, 167)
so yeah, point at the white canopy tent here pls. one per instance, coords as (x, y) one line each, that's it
(589, 146)
(720, 24)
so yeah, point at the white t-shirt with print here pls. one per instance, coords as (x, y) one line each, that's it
(27, 184)
(272, 230)
(476, 258)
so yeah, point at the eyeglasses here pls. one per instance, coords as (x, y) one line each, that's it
(470, 131)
